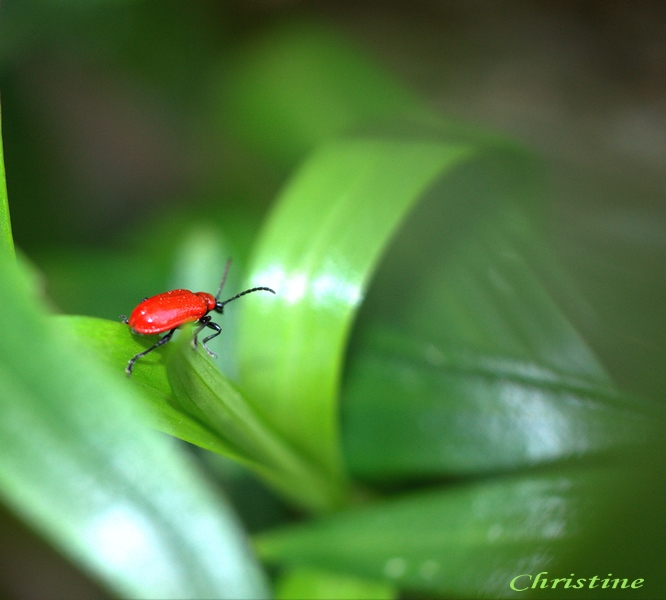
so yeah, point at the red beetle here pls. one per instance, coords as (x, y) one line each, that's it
(168, 311)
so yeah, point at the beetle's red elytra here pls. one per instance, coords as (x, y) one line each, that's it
(170, 310)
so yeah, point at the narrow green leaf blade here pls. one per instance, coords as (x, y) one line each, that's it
(192, 400)
(6, 239)
(78, 464)
(317, 251)
(202, 392)
(113, 344)
(472, 540)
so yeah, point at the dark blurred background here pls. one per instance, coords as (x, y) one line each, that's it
(118, 128)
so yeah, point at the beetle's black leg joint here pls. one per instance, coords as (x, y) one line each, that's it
(164, 340)
(218, 331)
(203, 322)
(123, 319)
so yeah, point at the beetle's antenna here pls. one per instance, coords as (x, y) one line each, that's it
(220, 305)
(224, 278)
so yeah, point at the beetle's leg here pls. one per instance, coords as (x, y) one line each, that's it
(203, 321)
(164, 340)
(123, 318)
(206, 322)
(218, 331)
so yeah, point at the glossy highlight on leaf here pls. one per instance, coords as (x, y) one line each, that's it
(412, 410)
(463, 359)
(317, 251)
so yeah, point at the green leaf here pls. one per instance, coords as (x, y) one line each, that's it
(78, 464)
(193, 401)
(203, 392)
(318, 250)
(115, 345)
(470, 540)
(412, 410)
(463, 360)
(469, 270)
(311, 584)
(6, 239)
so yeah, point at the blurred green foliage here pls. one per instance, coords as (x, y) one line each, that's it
(435, 402)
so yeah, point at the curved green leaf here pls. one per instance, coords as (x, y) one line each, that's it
(185, 395)
(469, 272)
(472, 540)
(203, 392)
(463, 359)
(115, 345)
(78, 464)
(317, 251)
(412, 410)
